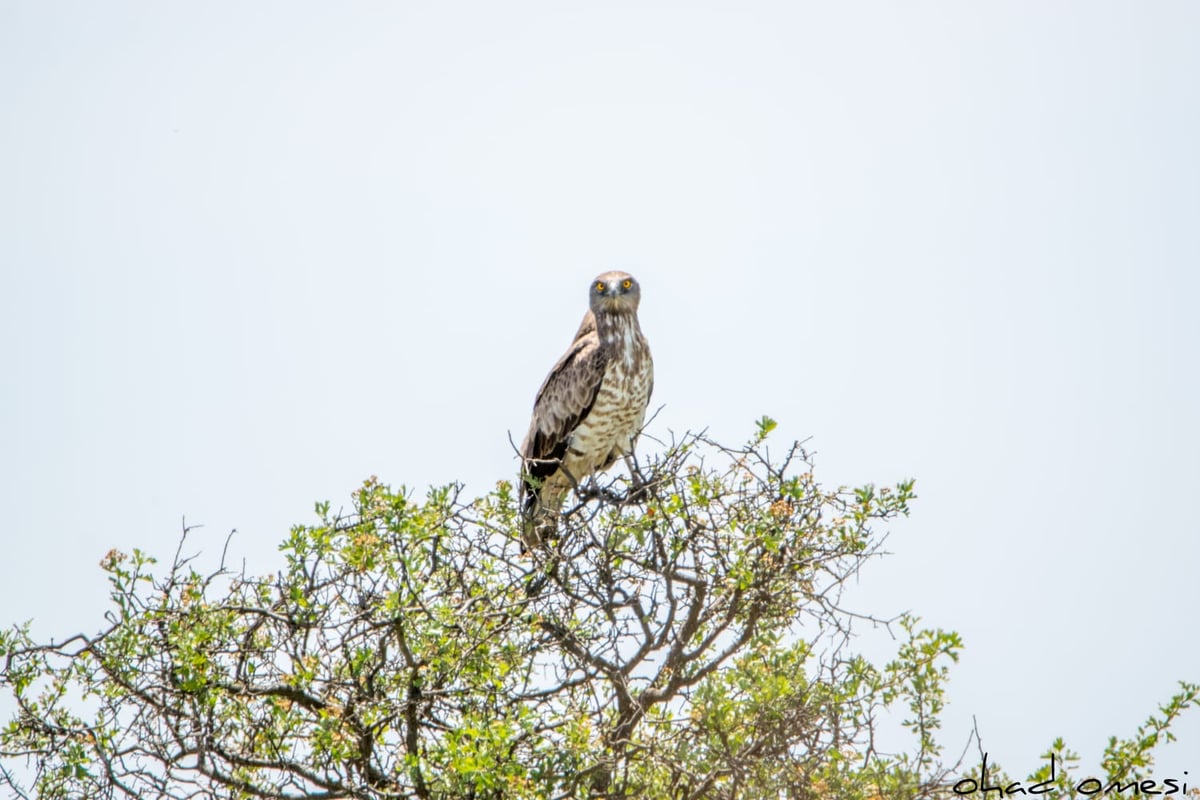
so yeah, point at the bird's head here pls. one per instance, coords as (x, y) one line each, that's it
(615, 292)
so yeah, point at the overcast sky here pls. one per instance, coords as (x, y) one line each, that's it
(252, 253)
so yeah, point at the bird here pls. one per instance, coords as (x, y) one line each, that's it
(590, 408)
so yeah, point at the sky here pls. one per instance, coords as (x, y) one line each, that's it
(253, 253)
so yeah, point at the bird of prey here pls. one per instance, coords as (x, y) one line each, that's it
(591, 406)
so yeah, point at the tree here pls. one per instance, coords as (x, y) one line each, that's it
(683, 638)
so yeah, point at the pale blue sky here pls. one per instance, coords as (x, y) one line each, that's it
(251, 253)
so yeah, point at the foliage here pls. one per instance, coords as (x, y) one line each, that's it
(683, 638)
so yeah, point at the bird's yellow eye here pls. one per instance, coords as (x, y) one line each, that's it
(599, 287)
(625, 284)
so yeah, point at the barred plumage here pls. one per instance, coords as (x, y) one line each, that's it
(591, 406)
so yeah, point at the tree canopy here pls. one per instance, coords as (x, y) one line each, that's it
(684, 637)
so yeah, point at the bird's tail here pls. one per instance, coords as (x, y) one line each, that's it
(539, 515)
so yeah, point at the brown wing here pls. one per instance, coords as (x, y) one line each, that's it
(566, 397)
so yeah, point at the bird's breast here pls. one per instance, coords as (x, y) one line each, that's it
(616, 415)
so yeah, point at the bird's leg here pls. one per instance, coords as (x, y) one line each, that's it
(590, 490)
(570, 477)
(587, 491)
(638, 485)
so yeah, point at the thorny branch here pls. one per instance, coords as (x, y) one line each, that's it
(407, 650)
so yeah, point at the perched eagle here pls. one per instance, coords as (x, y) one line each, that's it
(590, 407)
